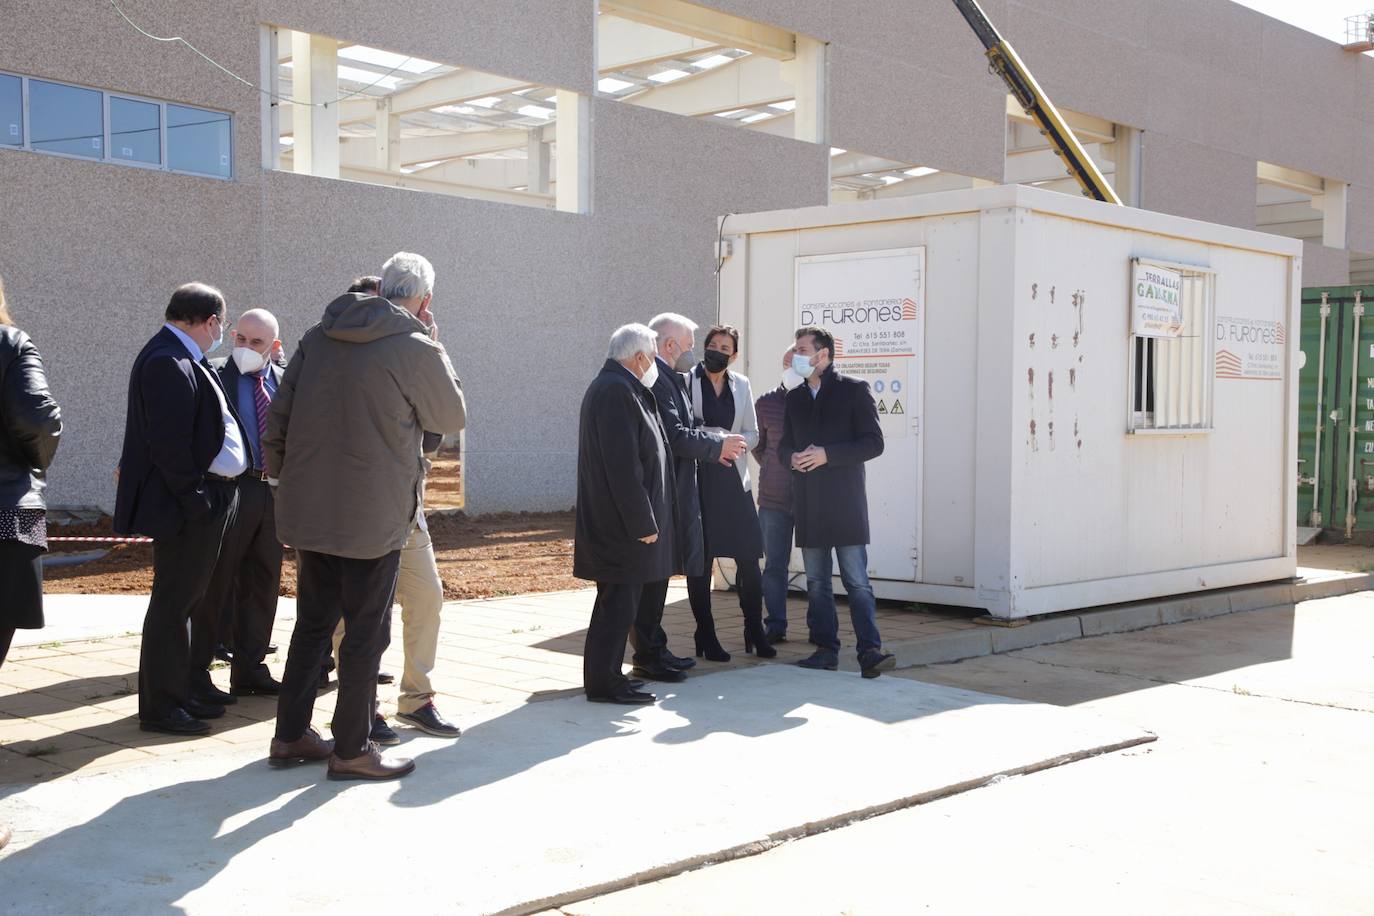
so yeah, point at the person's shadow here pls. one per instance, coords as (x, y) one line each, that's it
(148, 851)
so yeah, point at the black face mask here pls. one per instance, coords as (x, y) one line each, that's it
(715, 361)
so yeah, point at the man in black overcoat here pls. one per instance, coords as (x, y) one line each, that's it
(830, 428)
(689, 442)
(624, 534)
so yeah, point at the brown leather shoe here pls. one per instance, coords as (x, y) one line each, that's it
(304, 749)
(370, 765)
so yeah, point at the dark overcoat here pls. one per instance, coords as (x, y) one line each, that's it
(624, 483)
(173, 429)
(830, 504)
(690, 442)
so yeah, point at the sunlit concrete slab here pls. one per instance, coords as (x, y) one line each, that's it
(541, 802)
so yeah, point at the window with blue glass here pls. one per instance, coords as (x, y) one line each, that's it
(44, 116)
(11, 111)
(198, 141)
(135, 131)
(66, 119)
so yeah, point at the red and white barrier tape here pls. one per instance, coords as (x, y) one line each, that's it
(103, 540)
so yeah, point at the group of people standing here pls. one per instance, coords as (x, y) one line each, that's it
(224, 463)
(664, 489)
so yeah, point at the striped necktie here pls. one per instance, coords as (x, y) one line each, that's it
(262, 402)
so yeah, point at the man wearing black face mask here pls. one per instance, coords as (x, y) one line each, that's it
(184, 449)
(691, 442)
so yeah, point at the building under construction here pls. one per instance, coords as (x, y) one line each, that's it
(563, 164)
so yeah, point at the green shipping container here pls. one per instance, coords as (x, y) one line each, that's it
(1336, 412)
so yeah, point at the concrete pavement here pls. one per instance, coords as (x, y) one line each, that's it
(536, 803)
(1255, 799)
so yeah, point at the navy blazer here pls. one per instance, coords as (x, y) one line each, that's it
(173, 429)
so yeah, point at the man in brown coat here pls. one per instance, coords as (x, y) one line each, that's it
(343, 446)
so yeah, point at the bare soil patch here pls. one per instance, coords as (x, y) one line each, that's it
(480, 557)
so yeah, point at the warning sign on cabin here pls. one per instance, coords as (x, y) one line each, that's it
(1156, 301)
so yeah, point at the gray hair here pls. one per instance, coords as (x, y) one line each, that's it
(406, 276)
(672, 321)
(630, 339)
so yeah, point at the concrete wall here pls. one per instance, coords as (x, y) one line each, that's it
(90, 251)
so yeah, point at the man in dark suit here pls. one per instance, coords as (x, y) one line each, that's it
(689, 442)
(247, 576)
(830, 428)
(184, 448)
(624, 534)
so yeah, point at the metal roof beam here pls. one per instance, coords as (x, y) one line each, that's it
(749, 82)
(708, 25)
(622, 43)
(1292, 179)
(358, 150)
(450, 89)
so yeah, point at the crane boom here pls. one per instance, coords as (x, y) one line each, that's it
(1004, 61)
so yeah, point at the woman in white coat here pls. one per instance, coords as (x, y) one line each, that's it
(722, 399)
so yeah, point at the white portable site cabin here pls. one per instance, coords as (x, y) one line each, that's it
(1082, 403)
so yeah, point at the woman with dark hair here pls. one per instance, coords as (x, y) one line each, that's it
(721, 399)
(30, 424)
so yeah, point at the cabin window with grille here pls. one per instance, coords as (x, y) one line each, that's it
(1171, 369)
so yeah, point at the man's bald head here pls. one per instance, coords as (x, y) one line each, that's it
(258, 330)
(261, 320)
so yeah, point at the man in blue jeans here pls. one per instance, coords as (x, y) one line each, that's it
(830, 428)
(775, 501)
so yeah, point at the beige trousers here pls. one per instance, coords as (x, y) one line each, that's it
(420, 593)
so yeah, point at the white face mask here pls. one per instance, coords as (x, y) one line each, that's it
(802, 365)
(791, 379)
(248, 360)
(650, 375)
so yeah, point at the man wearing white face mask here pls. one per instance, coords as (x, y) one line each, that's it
(247, 577)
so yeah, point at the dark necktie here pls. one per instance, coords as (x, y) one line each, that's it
(262, 402)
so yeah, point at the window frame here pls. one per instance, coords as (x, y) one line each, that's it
(106, 156)
(1138, 422)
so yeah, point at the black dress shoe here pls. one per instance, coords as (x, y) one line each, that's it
(204, 710)
(264, 685)
(669, 660)
(658, 673)
(385, 677)
(224, 653)
(271, 650)
(875, 662)
(625, 698)
(177, 722)
(324, 677)
(820, 660)
(210, 695)
(635, 683)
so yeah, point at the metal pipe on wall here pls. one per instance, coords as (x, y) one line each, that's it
(1354, 409)
(1315, 519)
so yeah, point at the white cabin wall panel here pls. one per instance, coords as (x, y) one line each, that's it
(949, 367)
(1251, 479)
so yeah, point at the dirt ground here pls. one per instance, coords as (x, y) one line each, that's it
(482, 557)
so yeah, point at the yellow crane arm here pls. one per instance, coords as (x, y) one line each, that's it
(1004, 61)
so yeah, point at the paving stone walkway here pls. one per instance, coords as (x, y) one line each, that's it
(72, 706)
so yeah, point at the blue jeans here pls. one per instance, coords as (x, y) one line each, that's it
(777, 552)
(821, 615)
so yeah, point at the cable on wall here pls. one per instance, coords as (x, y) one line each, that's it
(251, 85)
